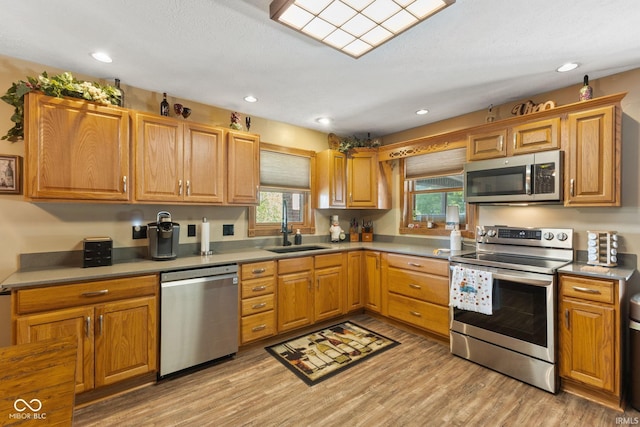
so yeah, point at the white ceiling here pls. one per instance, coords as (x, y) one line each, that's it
(472, 54)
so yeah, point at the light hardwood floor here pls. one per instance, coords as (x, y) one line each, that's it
(418, 383)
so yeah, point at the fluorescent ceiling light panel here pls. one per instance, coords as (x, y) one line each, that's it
(354, 26)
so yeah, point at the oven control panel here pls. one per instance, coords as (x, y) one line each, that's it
(529, 236)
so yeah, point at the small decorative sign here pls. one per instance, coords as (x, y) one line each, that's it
(10, 174)
(529, 107)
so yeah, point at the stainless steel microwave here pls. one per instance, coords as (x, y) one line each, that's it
(527, 178)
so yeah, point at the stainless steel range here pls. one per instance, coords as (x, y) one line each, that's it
(503, 301)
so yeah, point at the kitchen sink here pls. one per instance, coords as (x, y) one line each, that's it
(289, 249)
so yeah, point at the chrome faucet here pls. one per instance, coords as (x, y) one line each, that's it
(285, 226)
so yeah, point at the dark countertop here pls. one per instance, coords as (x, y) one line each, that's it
(52, 276)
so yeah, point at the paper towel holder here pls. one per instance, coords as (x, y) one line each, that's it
(452, 221)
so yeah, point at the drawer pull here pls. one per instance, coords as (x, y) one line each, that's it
(100, 324)
(87, 322)
(259, 328)
(95, 293)
(413, 264)
(259, 288)
(258, 270)
(414, 286)
(261, 305)
(415, 313)
(586, 290)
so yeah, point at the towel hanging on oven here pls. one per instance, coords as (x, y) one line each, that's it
(471, 290)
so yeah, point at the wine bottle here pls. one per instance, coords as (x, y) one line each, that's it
(164, 105)
(121, 103)
(331, 352)
(343, 347)
(586, 92)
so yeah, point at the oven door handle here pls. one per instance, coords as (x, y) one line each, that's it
(520, 279)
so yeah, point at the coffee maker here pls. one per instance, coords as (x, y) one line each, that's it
(163, 237)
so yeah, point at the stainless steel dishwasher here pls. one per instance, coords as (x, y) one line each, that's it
(198, 316)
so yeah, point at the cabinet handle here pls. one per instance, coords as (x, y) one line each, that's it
(515, 138)
(351, 197)
(257, 306)
(100, 324)
(318, 284)
(571, 187)
(415, 313)
(501, 143)
(87, 325)
(259, 328)
(259, 288)
(179, 187)
(414, 286)
(309, 285)
(188, 188)
(124, 184)
(95, 293)
(258, 270)
(586, 290)
(413, 264)
(566, 319)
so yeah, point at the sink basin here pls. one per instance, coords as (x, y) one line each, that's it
(289, 249)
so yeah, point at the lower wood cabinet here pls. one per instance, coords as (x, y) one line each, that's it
(590, 354)
(330, 281)
(371, 281)
(257, 301)
(355, 270)
(114, 321)
(295, 293)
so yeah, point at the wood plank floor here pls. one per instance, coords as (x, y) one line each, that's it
(418, 383)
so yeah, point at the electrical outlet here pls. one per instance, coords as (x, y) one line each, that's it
(191, 230)
(227, 230)
(139, 232)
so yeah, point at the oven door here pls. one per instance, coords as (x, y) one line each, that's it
(523, 318)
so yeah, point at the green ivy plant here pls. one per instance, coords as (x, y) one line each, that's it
(350, 142)
(61, 85)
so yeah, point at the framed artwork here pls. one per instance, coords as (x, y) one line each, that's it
(10, 174)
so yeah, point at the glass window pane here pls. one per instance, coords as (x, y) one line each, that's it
(433, 206)
(269, 211)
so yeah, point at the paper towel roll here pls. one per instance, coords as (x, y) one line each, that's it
(204, 237)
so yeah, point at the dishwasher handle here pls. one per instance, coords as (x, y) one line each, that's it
(220, 278)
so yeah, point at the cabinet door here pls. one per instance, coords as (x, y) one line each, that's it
(204, 164)
(487, 145)
(593, 164)
(354, 281)
(362, 180)
(295, 300)
(537, 136)
(587, 344)
(331, 179)
(75, 150)
(243, 168)
(77, 322)
(125, 339)
(158, 158)
(329, 291)
(371, 281)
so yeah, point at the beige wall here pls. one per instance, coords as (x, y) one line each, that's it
(625, 219)
(44, 227)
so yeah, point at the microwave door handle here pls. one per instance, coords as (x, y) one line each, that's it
(527, 179)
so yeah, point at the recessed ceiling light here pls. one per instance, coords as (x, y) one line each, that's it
(567, 67)
(422, 111)
(250, 98)
(102, 57)
(323, 120)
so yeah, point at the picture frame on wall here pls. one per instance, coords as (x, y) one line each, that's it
(10, 174)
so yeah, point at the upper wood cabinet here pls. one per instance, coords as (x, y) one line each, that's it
(540, 135)
(243, 168)
(75, 150)
(593, 158)
(355, 180)
(178, 161)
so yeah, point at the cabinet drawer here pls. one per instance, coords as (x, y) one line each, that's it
(72, 295)
(426, 287)
(421, 264)
(258, 269)
(256, 287)
(293, 265)
(257, 304)
(598, 290)
(419, 313)
(258, 326)
(328, 260)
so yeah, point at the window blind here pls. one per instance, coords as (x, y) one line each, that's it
(285, 170)
(447, 162)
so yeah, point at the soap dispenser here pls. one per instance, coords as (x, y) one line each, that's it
(297, 239)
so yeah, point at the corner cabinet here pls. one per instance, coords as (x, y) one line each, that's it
(177, 161)
(114, 322)
(356, 180)
(75, 150)
(243, 168)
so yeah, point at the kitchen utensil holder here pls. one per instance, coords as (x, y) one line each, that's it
(602, 248)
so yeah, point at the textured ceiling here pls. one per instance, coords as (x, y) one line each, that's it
(472, 54)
